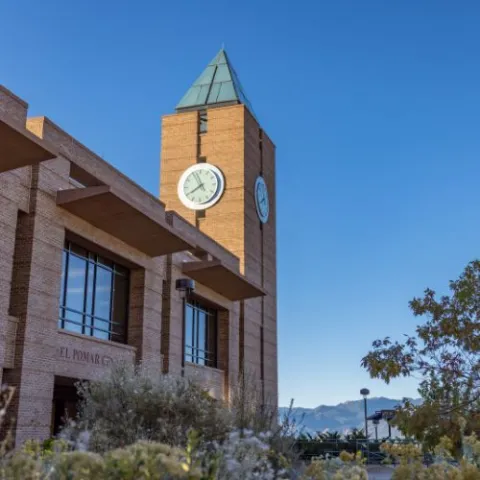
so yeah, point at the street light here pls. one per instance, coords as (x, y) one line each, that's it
(365, 392)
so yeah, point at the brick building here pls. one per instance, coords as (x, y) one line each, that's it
(91, 262)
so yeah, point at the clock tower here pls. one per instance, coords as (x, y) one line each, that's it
(218, 172)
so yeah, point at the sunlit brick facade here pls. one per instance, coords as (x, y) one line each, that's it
(90, 262)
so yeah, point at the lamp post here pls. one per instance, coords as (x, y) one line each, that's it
(365, 392)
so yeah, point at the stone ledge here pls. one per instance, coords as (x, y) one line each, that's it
(121, 346)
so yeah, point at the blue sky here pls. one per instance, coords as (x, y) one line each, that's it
(374, 108)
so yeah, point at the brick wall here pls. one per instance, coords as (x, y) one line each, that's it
(33, 351)
(236, 144)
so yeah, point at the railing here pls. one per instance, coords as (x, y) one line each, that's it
(313, 448)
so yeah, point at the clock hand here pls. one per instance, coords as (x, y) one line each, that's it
(196, 188)
(197, 178)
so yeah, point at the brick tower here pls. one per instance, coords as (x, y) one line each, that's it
(234, 203)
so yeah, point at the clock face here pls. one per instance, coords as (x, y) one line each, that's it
(261, 199)
(201, 186)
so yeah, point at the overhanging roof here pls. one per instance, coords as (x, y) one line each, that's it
(106, 208)
(222, 279)
(21, 148)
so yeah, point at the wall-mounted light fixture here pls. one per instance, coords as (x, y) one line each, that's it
(185, 286)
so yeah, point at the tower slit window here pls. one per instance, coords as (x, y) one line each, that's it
(202, 121)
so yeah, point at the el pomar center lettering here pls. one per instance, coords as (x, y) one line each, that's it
(85, 356)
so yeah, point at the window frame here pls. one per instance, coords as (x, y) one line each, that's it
(88, 316)
(193, 352)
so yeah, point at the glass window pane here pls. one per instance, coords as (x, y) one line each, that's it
(89, 292)
(73, 321)
(76, 283)
(188, 354)
(202, 326)
(189, 326)
(101, 329)
(103, 293)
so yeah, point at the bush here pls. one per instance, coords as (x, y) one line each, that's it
(244, 455)
(410, 456)
(76, 466)
(238, 458)
(252, 413)
(153, 461)
(133, 403)
(346, 466)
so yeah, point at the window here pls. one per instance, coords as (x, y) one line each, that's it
(200, 334)
(202, 121)
(94, 295)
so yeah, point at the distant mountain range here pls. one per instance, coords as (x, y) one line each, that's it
(344, 416)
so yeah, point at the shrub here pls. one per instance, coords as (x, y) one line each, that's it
(44, 450)
(20, 466)
(153, 461)
(246, 456)
(410, 465)
(252, 413)
(336, 469)
(77, 466)
(133, 403)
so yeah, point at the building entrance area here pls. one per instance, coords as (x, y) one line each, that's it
(65, 400)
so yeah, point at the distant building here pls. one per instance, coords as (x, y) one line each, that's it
(94, 268)
(387, 416)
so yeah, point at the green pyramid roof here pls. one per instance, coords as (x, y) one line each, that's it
(217, 85)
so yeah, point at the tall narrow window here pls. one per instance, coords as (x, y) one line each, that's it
(202, 121)
(200, 334)
(94, 295)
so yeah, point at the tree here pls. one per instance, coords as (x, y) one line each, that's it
(356, 434)
(331, 436)
(446, 353)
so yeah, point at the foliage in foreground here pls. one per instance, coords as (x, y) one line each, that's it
(409, 458)
(121, 413)
(132, 403)
(228, 451)
(446, 353)
(238, 458)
